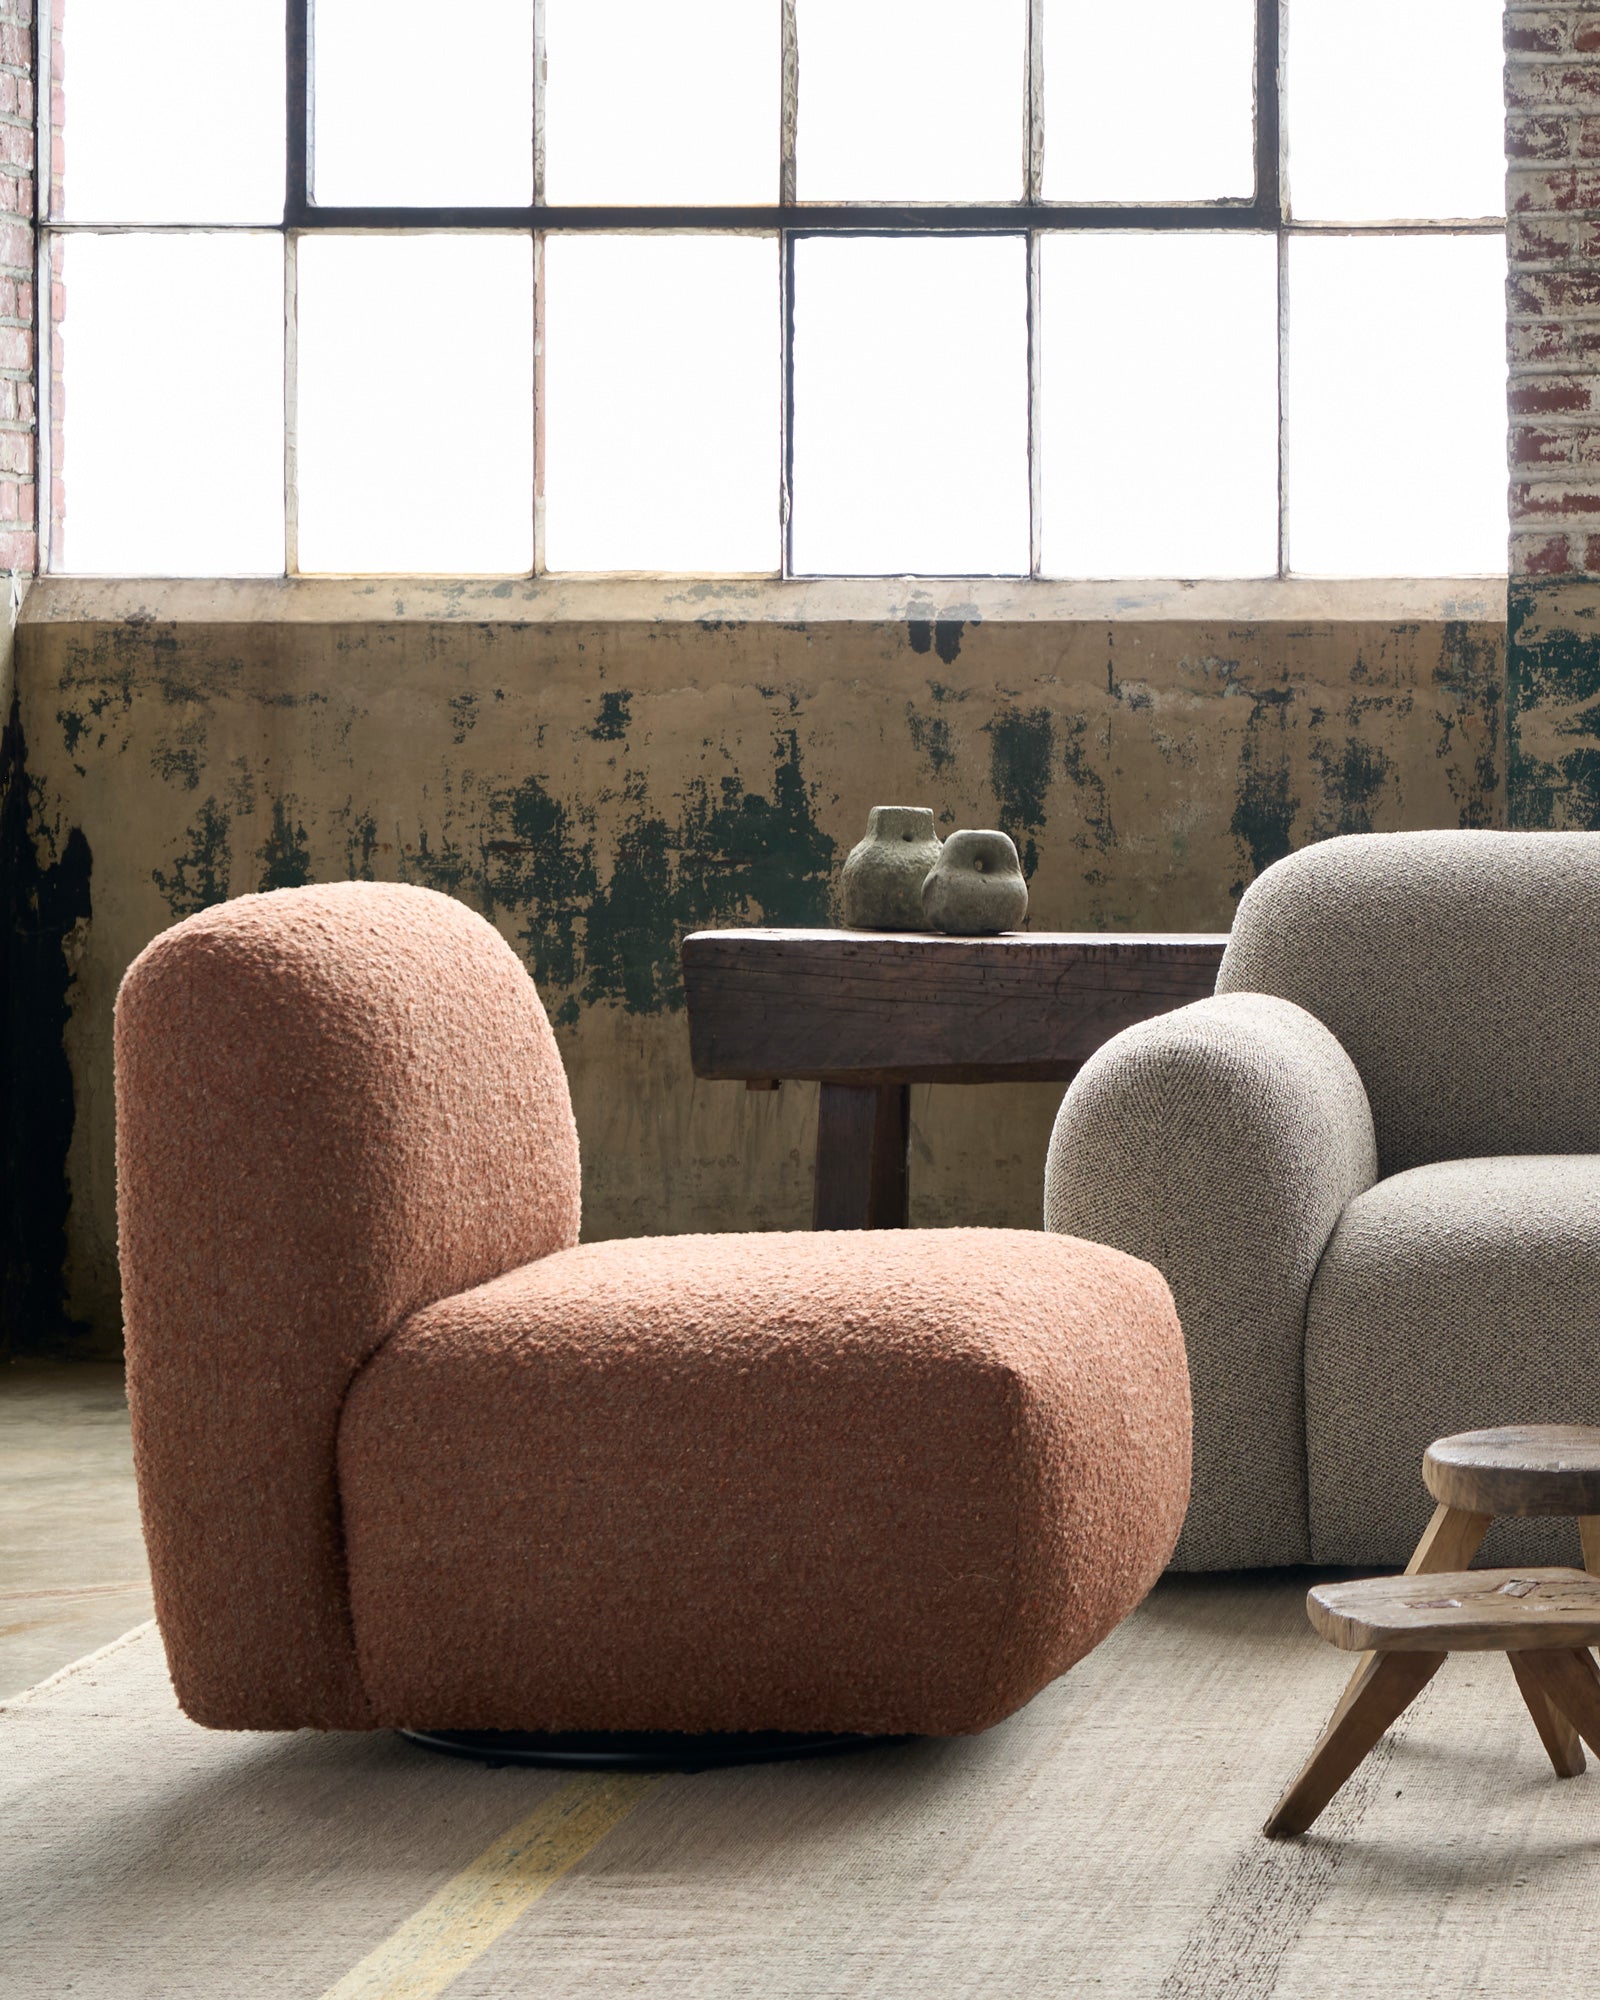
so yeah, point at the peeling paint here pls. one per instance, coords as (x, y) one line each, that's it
(931, 738)
(1093, 801)
(1264, 806)
(611, 725)
(1021, 759)
(284, 856)
(1354, 774)
(941, 635)
(47, 903)
(1552, 706)
(538, 867)
(201, 869)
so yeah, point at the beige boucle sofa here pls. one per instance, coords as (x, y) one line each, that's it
(1369, 1169)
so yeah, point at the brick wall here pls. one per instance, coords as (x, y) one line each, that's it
(18, 543)
(1553, 288)
(1553, 351)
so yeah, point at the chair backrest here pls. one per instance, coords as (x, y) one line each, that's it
(1461, 972)
(334, 1106)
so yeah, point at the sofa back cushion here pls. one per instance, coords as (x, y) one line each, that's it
(1461, 972)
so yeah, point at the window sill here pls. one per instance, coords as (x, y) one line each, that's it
(58, 600)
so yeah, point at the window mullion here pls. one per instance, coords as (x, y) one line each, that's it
(788, 104)
(291, 403)
(786, 399)
(1272, 199)
(1033, 108)
(788, 130)
(540, 81)
(297, 112)
(1269, 125)
(1033, 193)
(1035, 512)
(1283, 402)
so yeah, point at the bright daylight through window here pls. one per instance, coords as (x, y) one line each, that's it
(785, 287)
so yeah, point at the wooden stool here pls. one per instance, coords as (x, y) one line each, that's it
(1526, 1470)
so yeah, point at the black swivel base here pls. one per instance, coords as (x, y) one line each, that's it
(638, 1750)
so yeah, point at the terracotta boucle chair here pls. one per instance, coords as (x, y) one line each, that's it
(408, 1456)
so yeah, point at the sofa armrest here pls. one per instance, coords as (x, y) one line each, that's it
(1221, 1143)
(335, 1106)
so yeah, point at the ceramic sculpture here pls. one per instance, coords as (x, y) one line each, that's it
(976, 885)
(884, 873)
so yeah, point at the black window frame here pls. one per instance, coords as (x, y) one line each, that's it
(1265, 211)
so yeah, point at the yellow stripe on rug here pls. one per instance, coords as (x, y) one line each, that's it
(456, 1926)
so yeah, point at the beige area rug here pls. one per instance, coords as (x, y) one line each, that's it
(1103, 1842)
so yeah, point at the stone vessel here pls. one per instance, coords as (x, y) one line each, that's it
(884, 873)
(976, 885)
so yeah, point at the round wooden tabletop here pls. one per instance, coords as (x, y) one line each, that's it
(1521, 1469)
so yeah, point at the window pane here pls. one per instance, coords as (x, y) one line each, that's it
(646, 102)
(662, 403)
(1159, 446)
(416, 403)
(1395, 109)
(910, 406)
(1154, 107)
(911, 100)
(171, 113)
(422, 107)
(171, 448)
(1397, 381)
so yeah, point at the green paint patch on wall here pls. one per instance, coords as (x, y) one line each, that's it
(1552, 706)
(201, 869)
(47, 897)
(284, 855)
(931, 738)
(733, 856)
(1090, 787)
(1264, 805)
(611, 725)
(537, 866)
(1022, 747)
(1354, 774)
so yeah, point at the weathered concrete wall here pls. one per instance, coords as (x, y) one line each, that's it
(597, 781)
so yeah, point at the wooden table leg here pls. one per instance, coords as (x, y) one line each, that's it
(1386, 1686)
(1555, 1728)
(1589, 1531)
(1570, 1681)
(1450, 1541)
(863, 1141)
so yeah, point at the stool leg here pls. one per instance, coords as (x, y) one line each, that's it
(1450, 1541)
(1383, 1690)
(1569, 1678)
(1589, 1529)
(1556, 1732)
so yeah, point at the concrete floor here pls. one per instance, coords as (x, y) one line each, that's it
(72, 1564)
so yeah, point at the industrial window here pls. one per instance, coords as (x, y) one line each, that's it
(782, 287)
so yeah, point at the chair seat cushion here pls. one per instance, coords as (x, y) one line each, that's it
(886, 1481)
(1454, 1297)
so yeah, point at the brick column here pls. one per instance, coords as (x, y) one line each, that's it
(18, 542)
(1553, 351)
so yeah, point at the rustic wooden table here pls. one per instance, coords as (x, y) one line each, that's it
(869, 1013)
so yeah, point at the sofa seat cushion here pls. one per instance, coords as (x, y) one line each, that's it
(1453, 1297)
(858, 1481)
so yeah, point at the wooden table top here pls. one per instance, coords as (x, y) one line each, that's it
(1459, 1611)
(879, 1007)
(1528, 1469)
